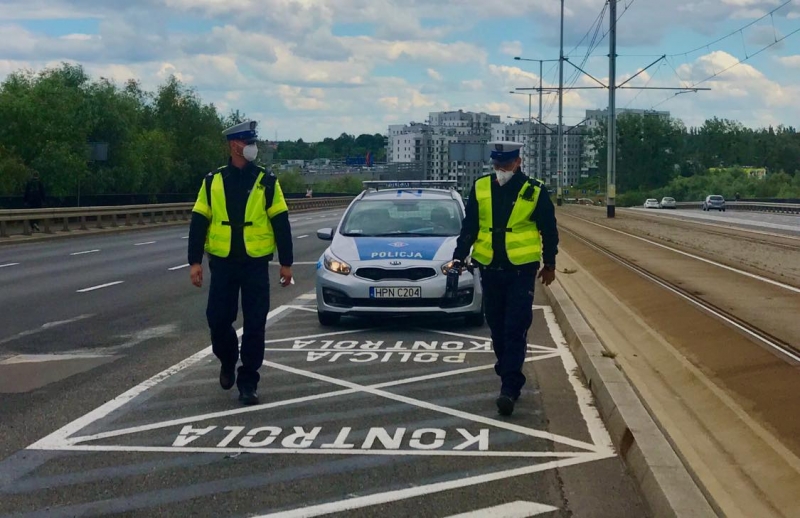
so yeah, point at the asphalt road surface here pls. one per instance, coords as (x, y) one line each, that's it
(109, 402)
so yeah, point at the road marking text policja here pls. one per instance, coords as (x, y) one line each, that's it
(400, 345)
(299, 437)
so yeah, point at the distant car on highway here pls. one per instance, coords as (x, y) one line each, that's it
(714, 202)
(667, 203)
(651, 203)
(391, 253)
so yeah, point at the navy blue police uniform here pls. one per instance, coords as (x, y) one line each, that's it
(508, 289)
(238, 272)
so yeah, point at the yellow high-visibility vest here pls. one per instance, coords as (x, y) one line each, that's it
(259, 238)
(523, 242)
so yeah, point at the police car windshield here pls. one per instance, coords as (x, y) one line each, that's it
(376, 218)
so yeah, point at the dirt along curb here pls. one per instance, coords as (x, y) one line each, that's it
(664, 481)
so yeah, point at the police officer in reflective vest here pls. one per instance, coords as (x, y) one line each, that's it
(511, 222)
(240, 218)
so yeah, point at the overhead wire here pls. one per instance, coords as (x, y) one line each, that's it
(739, 62)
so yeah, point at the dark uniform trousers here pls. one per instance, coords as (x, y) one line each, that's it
(508, 306)
(228, 277)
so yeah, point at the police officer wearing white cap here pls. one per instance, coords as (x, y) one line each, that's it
(511, 222)
(240, 218)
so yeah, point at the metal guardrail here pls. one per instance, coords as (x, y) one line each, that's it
(753, 206)
(18, 222)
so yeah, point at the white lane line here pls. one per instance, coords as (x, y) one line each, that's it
(44, 327)
(518, 509)
(145, 243)
(37, 358)
(101, 286)
(8, 264)
(594, 423)
(308, 296)
(297, 263)
(702, 259)
(303, 236)
(333, 451)
(185, 237)
(85, 252)
(60, 437)
(360, 502)
(178, 267)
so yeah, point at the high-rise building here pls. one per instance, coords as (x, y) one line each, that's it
(452, 146)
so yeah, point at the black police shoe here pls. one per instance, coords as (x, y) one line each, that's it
(248, 396)
(505, 404)
(227, 377)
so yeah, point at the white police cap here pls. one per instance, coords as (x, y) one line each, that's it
(504, 150)
(242, 131)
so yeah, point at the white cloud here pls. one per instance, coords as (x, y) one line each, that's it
(285, 62)
(511, 48)
(473, 84)
(790, 61)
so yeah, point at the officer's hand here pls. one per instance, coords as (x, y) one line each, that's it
(547, 276)
(458, 265)
(196, 274)
(286, 275)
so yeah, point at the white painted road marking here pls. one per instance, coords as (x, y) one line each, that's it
(101, 286)
(303, 236)
(417, 491)
(8, 264)
(85, 252)
(298, 263)
(518, 509)
(591, 416)
(44, 327)
(58, 443)
(178, 267)
(37, 358)
(145, 243)
(59, 438)
(185, 237)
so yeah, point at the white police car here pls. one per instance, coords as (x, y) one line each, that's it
(390, 254)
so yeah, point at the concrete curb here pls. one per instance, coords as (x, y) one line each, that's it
(664, 482)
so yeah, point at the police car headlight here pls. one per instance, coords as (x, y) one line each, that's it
(447, 266)
(336, 265)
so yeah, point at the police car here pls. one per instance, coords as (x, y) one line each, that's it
(390, 255)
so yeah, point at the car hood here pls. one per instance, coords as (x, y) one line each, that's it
(353, 249)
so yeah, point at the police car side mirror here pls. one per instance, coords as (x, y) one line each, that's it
(326, 234)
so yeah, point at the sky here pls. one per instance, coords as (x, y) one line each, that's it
(316, 68)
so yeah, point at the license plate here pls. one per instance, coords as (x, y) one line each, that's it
(395, 292)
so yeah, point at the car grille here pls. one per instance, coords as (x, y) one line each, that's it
(408, 274)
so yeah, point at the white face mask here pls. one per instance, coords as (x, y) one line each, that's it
(504, 176)
(250, 152)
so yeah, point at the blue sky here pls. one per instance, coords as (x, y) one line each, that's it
(314, 68)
